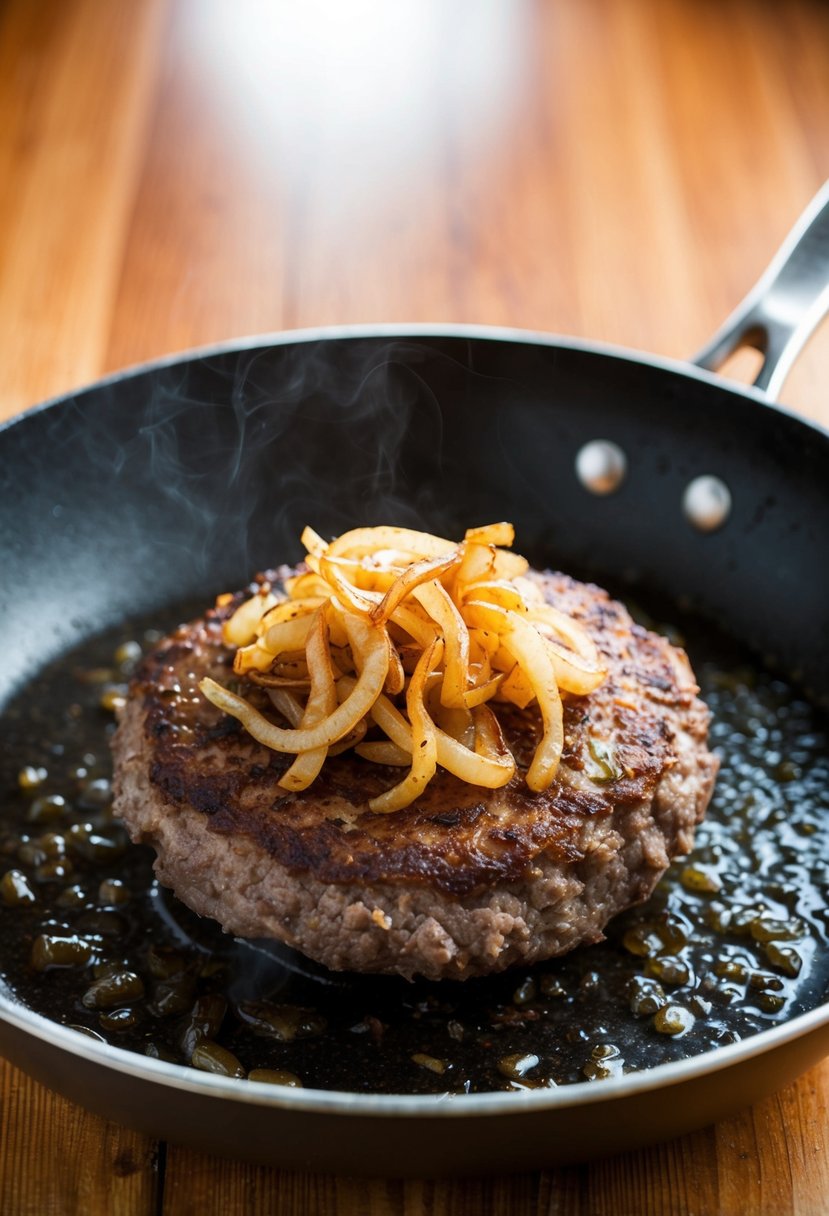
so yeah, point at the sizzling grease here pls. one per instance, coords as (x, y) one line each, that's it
(730, 943)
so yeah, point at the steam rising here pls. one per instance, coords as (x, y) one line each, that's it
(183, 479)
(320, 441)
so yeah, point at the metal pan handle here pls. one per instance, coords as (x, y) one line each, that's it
(786, 304)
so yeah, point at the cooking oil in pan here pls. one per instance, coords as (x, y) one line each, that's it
(732, 941)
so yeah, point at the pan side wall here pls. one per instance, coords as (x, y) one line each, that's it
(348, 1141)
(182, 480)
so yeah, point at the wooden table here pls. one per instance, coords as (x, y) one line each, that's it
(174, 172)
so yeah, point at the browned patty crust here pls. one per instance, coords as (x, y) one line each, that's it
(465, 880)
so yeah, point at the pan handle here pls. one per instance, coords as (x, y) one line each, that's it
(785, 305)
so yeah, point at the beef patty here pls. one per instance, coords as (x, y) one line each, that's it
(465, 881)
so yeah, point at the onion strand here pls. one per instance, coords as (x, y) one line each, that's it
(387, 622)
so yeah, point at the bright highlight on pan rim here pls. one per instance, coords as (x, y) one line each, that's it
(401, 645)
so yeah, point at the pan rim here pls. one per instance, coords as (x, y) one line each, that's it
(346, 1103)
(424, 329)
(446, 1105)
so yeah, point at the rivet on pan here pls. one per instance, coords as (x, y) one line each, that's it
(707, 503)
(601, 466)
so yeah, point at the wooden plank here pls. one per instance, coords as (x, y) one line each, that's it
(78, 77)
(763, 1167)
(748, 158)
(803, 1114)
(751, 1163)
(205, 256)
(73, 1162)
(198, 1185)
(57, 1160)
(591, 207)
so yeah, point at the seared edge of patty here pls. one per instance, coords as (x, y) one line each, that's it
(412, 929)
(561, 897)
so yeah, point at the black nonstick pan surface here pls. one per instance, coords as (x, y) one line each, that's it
(177, 480)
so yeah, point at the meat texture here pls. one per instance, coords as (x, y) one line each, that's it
(465, 881)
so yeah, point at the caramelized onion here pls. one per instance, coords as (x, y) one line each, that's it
(446, 630)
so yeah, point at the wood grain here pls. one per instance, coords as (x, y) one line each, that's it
(57, 1160)
(177, 172)
(77, 84)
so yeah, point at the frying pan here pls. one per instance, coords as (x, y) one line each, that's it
(181, 477)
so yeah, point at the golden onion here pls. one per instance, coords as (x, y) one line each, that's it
(401, 645)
